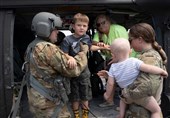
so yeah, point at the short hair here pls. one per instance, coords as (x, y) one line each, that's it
(103, 16)
(80, 17)
(120, 46)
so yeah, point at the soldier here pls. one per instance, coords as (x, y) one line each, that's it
(45, 66)
(142, 39)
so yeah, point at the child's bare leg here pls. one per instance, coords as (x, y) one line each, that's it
(153, 107)
(85, 104)
(75, 105)
(122, 109)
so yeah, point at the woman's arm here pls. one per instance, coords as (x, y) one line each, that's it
(102, 46)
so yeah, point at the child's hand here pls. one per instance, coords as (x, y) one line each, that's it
(71, 62)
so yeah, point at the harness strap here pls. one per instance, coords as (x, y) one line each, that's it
(41, 89)
(15, 107)
(58, 109)
(30, 57)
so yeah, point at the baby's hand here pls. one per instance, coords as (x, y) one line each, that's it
(164, 74)
(103, 74)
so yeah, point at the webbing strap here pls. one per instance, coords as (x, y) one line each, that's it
(41, 89)
(30, 54)
(15, 107)
(57, 110)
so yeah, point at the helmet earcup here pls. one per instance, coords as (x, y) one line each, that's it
(43, 29)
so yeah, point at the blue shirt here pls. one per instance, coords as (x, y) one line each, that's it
(71, 44)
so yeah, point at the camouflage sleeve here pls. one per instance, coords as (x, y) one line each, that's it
(57, 61)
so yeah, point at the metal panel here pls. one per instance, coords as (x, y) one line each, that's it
(167, 49)
(6, 61)
(21, 3)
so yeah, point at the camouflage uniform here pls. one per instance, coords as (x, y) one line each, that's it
(145, 85)
(53, 62)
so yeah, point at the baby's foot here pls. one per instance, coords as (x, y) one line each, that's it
(119, 116)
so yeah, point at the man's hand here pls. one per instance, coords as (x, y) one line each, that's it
(84, 48)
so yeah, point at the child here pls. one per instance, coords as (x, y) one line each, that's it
(80, 86)
(124, 71)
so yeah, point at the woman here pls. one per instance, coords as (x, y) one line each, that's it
(142, 39)
(106, 33)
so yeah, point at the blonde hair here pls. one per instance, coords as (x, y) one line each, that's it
(120, 46)
(80, 17)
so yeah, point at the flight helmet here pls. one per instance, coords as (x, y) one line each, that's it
(44, 23)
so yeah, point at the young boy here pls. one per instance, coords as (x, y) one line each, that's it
(80, 86)
(124, 71)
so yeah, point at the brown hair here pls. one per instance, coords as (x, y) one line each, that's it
(105, 17)
(80, 17)
(147, 32)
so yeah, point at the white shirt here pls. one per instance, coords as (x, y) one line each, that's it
(125, 72)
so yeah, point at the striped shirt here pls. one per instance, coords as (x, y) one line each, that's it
(125, 72)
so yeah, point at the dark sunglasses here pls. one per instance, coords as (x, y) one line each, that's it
(99, 24)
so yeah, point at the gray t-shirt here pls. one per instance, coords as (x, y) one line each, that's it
(71, 44)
